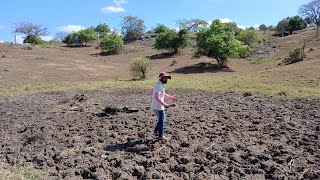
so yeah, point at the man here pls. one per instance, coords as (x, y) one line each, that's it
(158, 104)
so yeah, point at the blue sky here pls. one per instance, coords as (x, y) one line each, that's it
(72, 15)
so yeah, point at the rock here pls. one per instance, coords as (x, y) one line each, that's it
(183, 160)
(180, 168)
(138, 171)
(268, 167)
(230, 149)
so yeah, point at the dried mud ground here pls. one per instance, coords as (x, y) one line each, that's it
(79, 135)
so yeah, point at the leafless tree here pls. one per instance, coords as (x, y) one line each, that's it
(312, 11)
(60, 36)
(30, 29)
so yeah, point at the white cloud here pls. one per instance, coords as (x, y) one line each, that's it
(47, 38)
(112, 9)
(19, 39)
(119, 2)
(70, 28)
(225, 20)
(256, 26)
(241, 27)
(1, 41)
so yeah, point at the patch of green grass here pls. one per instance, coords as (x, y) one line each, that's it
(208, 82)
(256, 62)
(26, 173)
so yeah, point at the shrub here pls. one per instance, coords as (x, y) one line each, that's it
(249, 37)
(140, 67)
(33, 40)
(83, 37)
(295, 55)
(71, 39)
(3, 52)
(239, 49)
(112, 44)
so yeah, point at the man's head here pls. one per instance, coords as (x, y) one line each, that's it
(163, 77)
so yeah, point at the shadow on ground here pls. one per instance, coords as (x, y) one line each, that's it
(161, 56)
(201, 68)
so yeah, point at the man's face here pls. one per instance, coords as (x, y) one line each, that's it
(164, 80)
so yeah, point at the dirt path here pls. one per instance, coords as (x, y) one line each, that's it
(213, 136)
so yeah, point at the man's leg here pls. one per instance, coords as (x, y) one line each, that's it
(161, 123)
(156, 129)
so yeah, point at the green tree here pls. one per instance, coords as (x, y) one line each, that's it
(232, 28)
(160, 28)
(312, 11)
(102, 29)
(296, 23)
(214, 42)
(239, 50)
(263, 28)
(132, 28)
(192, 25)
(32, 39)
(111, 44)
(86, 36)
(71, 39)
(249, 37)
(170, 39)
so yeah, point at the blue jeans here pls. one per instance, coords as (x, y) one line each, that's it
(161, 122)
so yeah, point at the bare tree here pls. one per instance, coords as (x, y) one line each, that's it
(61, 36)
(312, 11)
(29, 29)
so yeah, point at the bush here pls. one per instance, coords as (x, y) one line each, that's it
(112, 44)
(239, 49)
(33, 40)
(83, 37)
(3, 51)
(172, 40)
(249, 37)
(71, 39)
(295, 55)
(140, 67)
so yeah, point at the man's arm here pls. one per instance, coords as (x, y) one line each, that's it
(172, 98)
(157, 97)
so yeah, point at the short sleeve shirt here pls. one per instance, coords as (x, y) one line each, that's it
(159, 88)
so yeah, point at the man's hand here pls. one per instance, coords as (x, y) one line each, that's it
(174, 99)
(166, 106)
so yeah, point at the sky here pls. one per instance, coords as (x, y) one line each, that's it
(74, 15)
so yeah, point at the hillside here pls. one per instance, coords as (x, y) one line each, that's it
(55, 67)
